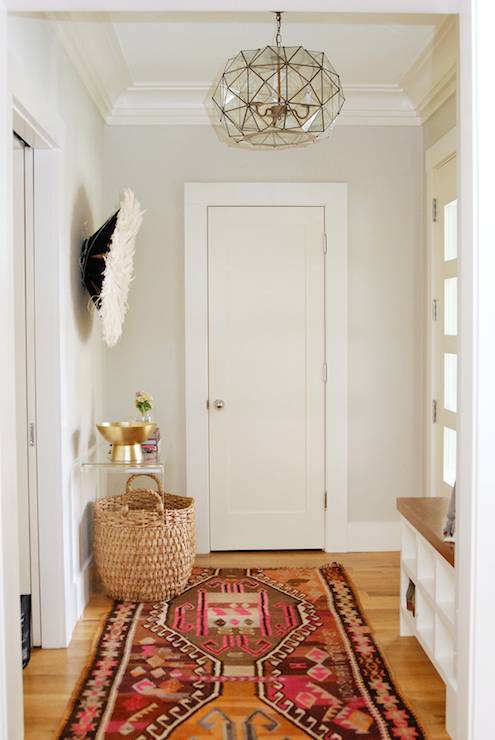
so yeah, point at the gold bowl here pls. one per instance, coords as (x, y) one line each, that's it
(126, 438)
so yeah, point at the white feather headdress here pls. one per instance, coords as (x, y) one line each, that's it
(119, 269)
(107, 265)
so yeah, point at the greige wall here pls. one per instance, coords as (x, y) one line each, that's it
(443, 120)
(44, 81)
(383, 166)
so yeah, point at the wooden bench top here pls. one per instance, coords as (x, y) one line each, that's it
(427, 515)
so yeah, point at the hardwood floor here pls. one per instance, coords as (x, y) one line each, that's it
(52, 674)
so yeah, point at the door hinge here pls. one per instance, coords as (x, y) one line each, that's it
(434, 309)
(325, 372)
(325, 243)
(325, 501)
(31, 434)
(434, 412)
(434, 210)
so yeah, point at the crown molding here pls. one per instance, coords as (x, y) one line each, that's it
(95, 52)
(432, 78)
(377, 105)
(176, 103)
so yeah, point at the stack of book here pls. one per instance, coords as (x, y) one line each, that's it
(151, 448)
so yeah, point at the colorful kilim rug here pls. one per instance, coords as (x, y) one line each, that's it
(242, 654)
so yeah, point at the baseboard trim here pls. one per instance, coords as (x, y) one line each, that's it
(83, 587)
(373, 536)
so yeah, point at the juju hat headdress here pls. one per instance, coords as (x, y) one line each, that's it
(107, 265)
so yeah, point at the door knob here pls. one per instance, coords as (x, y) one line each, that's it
(219, 404)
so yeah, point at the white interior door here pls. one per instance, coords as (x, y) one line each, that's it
(23, 193)
(266, 377)
(445, 311)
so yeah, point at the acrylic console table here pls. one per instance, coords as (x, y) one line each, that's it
(428, 578)
(99, 461)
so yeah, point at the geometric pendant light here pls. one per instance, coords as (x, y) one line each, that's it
(278, 96)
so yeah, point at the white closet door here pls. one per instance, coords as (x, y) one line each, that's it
(19, 204)
(266, 370)
(27, 483)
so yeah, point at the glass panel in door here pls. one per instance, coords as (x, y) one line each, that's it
(445, 331)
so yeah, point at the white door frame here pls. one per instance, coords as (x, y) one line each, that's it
(333, 198)
(11, 709)
(51, 563)
(475, 554)
(435, 157)
(26, 411)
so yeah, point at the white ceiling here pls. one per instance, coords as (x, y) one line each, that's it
(192, 51)
(158, 67)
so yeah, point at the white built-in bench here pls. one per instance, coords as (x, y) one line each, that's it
(428, 563)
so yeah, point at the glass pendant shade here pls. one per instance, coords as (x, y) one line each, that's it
(278, 96)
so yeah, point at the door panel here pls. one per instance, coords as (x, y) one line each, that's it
(445, 330)
(266, 355)
(19, 203)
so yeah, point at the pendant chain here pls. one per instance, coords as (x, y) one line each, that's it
(278, 35)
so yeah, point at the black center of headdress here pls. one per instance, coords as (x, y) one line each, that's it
(93, 253)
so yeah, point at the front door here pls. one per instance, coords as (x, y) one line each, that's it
(266, 377)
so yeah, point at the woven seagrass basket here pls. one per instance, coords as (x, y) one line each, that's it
(144, 543)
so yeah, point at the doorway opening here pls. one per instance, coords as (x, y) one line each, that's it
(215, 216)
(379, 271)
(38, 383)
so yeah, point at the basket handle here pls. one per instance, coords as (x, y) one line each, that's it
(153, 496)
(147, 475)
